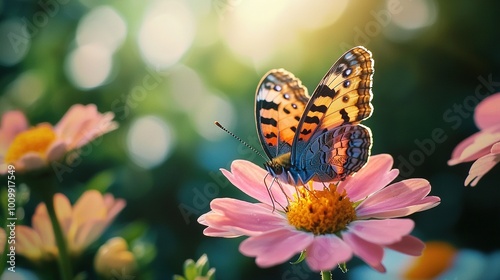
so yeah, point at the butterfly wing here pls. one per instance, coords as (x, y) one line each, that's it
(279, 103)
(335, 154)
(342, 98)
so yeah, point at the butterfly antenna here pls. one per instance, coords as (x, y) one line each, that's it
(239, 139)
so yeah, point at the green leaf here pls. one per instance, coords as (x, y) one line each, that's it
(190, 271)
(198, 271)
(101, 181)
(343, 267)
(211, 274)
(202, 265)
(301, 257)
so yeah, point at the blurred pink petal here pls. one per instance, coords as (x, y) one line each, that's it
(81, 124)
(56, 151)
(480, 145)
(81, 224)
(114, 207)
(63, 211)
(34, 148)
(370, 253)
(30, 161)
(13, 123)
(409, 245)
(28, 243)
(486, 113)
(483, 165)
(274, 247)
(327, 251)
(475, 146)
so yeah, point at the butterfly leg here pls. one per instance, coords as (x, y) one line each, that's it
(271, 195)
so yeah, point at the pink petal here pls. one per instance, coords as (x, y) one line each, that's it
(13, 123)
(249, 178)
(42, 225)
(93, 128)
(495, 149)
(87, 233)
(81, 124)
(409, 245)
(233, 217)
(486, 113)
(382, 231)
(370, 253)
(214, 232)
(89, 206)
(64, 211)
(374, 176)
(397, 200)
(275, 247)
(28, 242)
(475, 146)
(30, 161)
(56, 151)
(113, 206)
(326, 252)
(483, 165)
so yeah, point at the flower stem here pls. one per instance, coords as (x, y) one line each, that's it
(326, 275)
(63, 256)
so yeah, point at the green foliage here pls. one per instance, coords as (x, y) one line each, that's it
(199, 270)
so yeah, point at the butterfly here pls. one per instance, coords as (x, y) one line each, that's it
(317, 137)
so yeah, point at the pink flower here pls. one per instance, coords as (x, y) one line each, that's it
(29, 148)
(483, 146)
(360, 216)
(81, 224)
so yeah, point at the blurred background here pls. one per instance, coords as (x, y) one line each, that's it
(169, 68)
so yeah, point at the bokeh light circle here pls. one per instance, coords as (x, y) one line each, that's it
(89, 66)
(166, 33)
(149, 141)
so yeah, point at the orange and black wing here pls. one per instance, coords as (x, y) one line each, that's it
(279, 104)
(329, 139)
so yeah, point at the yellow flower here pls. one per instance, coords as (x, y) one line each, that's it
(29, 148)
(114, 257)
(81, 224)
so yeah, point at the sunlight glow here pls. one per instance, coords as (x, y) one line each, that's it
(258, 29)
(413, 18)
(103, 25)
(192, 95)
(214, 108)
(149, 141)
(89, 66)
(416, 14)
(166, 33)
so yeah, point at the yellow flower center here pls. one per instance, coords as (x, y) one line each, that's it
(36, 139)
(321, 212)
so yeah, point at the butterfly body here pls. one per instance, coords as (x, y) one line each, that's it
(317, 137)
